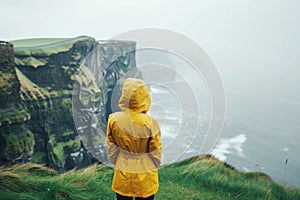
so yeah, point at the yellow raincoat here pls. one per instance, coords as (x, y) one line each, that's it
(133, 141)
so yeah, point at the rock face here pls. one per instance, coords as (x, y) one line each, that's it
(16, 139)
(109, 62)
(9, 87)
(39, 83)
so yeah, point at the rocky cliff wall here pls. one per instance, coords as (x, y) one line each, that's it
(45, 79)
(16, 139)
(9, 85)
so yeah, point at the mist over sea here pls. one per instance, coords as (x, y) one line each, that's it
(251, 145)
(261, 129)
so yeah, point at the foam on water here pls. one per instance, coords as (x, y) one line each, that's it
(228, 146)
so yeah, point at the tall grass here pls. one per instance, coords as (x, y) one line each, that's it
(195, 178)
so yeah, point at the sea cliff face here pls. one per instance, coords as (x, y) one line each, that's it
(16, 139)
(39, 79)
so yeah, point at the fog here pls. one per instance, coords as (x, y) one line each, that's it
(253, 43)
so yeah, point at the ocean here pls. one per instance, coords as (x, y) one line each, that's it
(253, 139)
(261, 131)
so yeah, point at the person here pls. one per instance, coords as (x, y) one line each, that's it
(134, 144)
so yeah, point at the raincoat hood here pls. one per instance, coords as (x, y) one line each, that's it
(135, 96)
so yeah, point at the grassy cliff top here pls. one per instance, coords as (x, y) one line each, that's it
(40, 42)
(32, 42)
(45, 46)
(195, 178)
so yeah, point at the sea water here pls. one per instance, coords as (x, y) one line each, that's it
(251, 140)
(261, 131)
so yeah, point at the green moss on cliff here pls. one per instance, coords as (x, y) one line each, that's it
(68, 132)
(38, 157)
(58, 147)
(13, 115)
(16, 145)
(29, 90)
(5, 83)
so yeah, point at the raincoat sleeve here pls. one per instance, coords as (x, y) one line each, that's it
(155, 145)
(113, 149)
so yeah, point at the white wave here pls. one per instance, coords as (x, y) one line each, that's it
(286, 149)
(94, 125)
(246, 169)
(228, 146)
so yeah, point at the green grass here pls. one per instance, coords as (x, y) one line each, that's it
(194, 178)
(43, 47)
(36, 42)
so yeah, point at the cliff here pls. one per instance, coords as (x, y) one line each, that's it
(16, 139)
(42, 78)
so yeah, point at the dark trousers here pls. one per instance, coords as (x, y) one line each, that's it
(120, 197)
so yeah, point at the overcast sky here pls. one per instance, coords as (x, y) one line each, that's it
(252, 42)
